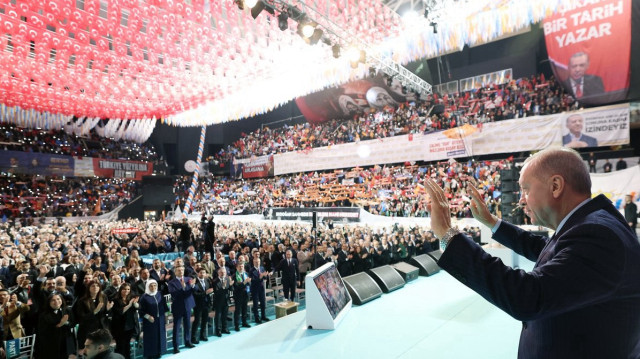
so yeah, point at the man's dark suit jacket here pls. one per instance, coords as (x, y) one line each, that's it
(182, 298)
(591, 141)
(200, 295)
(581, 300)
(290, 273)
(592, 86)
(59, 271)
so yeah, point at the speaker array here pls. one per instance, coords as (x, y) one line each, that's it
(367, 286)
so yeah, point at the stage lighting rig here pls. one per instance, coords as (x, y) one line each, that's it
(283, 20)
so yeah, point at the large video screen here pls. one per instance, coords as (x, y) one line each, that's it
(332, 290)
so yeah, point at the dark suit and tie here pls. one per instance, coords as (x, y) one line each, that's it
(290, 274)
(258, 296)
(590, 141)
(181, 290)
(586, 88)
(201, 291)
(56, 271)
(582, 298)
(241, 297)
(221, 288)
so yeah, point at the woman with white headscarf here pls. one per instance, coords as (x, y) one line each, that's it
(152, 311)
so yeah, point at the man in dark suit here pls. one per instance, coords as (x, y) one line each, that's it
(288, 266)
(181, 290)
(258, 295)
(201, 292)
(56, 269)
(575, 138)
(581, 86)
(139, 286)
(221, 287)
(241, 296)
(582, 298)
(159, 274)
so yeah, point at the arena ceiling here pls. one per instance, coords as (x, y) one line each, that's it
(200, 62)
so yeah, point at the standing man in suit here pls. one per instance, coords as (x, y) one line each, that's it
(201, 292)
(140, 285)
(221, 287)
(575, 138)
(582, 298)
(258, 296)
(56, 268)
(181, 290)
(241, 296)
(290, 274)
(160, 275)
(579, 84)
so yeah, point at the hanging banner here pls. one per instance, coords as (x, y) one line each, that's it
(353, 98)
(526, 134)
(604, 126)
(252, 167)
(598, 127)
(109, 168)
(259, 167)
(36, 163)
(589, 46)
(336, 214)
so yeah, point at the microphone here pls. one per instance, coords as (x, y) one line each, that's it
(513, 211)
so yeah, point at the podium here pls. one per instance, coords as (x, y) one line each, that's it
(285, 308)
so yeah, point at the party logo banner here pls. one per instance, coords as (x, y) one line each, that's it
(589, 46)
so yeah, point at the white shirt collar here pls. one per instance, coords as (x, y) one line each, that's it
(564, 220)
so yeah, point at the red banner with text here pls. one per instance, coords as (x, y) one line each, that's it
(589, 47)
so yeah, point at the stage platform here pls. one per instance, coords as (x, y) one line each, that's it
(431, 317)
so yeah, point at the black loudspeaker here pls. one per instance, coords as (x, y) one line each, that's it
(157, 190)
(509, 186)
(406, 270)
(314, 219)
(387, 278)
(510, 197)
(426, 264)
(362, 288)
(435, 255)
(509, 175)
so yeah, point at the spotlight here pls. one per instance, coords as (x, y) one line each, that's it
(283, 21)
(315, 37)
(307, 30)
(434, 25)
(250, 3)
(336, 50)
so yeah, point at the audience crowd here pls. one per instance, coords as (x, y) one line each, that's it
(13, 138)
(29, 197)
(394, 191)
(520, 98)
(56, 275)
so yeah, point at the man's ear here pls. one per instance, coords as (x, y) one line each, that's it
(557, 184)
